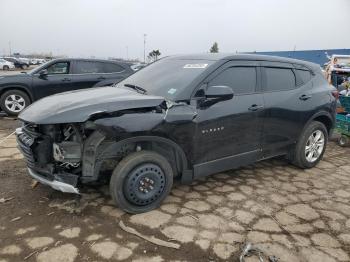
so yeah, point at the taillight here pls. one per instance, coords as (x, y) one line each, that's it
(335, 93)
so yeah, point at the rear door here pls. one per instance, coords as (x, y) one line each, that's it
(57, 80)
(114, 73)
(87, 74)
(286, 98)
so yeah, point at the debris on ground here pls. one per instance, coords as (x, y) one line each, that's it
(4, 200)
(30, 255)
(15, 219)
(34, 183)
(151, 239)
(250, 250)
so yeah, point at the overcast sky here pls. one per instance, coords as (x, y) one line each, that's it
(105, 28)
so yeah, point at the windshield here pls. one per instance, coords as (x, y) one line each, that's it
(167, 77)
(38, 68)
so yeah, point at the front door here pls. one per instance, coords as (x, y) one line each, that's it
(57, 80)
(229, 132)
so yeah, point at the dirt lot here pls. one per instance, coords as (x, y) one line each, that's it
(292, 214)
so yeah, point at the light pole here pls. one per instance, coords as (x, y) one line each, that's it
(127, 53)
(144, 48)
(10, 48)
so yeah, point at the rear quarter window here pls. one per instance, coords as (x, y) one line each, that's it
(305, 75)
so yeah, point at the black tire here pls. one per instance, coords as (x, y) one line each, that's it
(126, 186)
(6, 68)
(343, 141)
(298, 154)
(17, 93)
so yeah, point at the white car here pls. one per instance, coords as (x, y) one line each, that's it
(6, 65)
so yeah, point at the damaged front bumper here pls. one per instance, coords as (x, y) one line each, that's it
(55, 184)
(62, 181)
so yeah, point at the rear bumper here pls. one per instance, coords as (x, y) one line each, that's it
(55, 184)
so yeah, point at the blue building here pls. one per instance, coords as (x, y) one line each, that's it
(315, 56)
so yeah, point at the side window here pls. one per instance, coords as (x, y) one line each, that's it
(112, 68)
(242, 80)
(305, 75)
(58, 68)
(88, 67)
(279, 79)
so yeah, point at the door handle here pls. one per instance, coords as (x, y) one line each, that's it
(66, 79)
(101, 78)
(304, 97)
(255, 107)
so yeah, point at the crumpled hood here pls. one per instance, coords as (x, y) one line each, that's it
(78, 106)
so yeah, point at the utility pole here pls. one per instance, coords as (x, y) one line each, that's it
(127, 53)
(10, 48)
(144, 48)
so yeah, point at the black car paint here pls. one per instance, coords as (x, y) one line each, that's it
(199, 139)
(38, 86)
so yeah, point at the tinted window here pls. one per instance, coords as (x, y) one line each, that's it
(242, 80)
(304, 75)
(279, 79)
(88, 67)
(112, 68)
(58, 68)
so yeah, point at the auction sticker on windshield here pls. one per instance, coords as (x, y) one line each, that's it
(195, 66)
(172, 91)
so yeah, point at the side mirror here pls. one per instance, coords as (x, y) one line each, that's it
(219, 93)
(43, 73)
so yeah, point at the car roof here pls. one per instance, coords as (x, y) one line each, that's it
(125, 64)
(239, 56)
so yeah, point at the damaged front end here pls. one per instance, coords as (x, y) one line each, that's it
(59, 138)
(53, 154)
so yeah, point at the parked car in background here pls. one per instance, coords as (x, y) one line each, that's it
(24, 60)
(182, 117)
(6, 65)
(16, 62)
(138, 66)
(36, 61)
(56, 76)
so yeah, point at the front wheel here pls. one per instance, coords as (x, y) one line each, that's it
(311, 146)
(6, 68)
(141, 181)
(14, 101)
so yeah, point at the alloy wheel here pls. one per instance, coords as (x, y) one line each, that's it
(15, 103)
(314, 146)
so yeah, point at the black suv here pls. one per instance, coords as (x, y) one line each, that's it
(56, 76)
(181, 117)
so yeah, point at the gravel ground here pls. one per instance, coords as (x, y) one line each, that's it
(293, 214)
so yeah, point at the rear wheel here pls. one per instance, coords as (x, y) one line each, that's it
(311, 146)
(14, 101)
(141, 181)
(5, 67)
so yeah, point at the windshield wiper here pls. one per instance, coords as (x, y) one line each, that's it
(137, 88)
